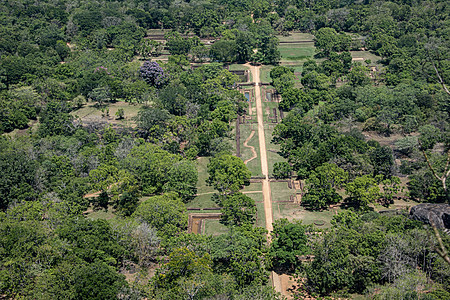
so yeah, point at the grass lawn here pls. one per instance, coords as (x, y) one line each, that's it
(366, 55)
(321, 219)
(398, 204)
(90, 113)
(101, 214)
(254, 165)
(272, 157)
(202, 163)
(213, 227)
(268, 107)
(202, 201)
(157, 31)
(296, 51)
(280, 191)
(265, 74)
(236, 67)
(318, 217)
(257, 186)
(296, 36)
(261, 222)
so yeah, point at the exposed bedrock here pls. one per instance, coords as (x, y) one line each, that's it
(429, 213)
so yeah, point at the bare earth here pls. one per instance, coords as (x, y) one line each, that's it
(264, 166)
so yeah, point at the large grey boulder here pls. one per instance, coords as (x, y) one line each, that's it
(429, 213)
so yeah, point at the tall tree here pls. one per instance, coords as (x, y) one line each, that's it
(238, 210)
(228, 174)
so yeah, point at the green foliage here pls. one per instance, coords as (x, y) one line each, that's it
(98, 281)
(150, 165)
(289, 241)
(176, 44)
(321, 186)
(17, 176)
(223, 51)
(92, 240)
(182, 178)
(382, 160)
(328, 40)
(166, 213)
(127, 203)
(391, 187)
(429, 136)
(182, 263)
(238, 210)
(228, 174)
(363, 191)
(56, 121)
(358, 76)
(424, 186)
(152, 123)
(240, 253)
(258, 292)
(53, 56)
(406, 145)
(361, 251)
(282, 170)
(296, 97)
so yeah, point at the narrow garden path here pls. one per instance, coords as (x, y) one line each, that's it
(254, 155)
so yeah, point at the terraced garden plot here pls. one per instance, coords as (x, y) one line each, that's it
(253, 165)
(297, 52)
(296, 37)
(213, 227)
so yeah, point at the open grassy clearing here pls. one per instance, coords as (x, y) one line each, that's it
(202, 163)
(296, 36)
(237, 67)
(89, 113)
(366, 55)
(163, 57)
(257, 186)
(202, 201)
(280, 191)
(101, 214)
(296, 52)
(398, 204)
(213, 227)
(317, 218)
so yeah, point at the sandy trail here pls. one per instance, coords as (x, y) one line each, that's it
(254, 155)
(245, 192)
(264, 166)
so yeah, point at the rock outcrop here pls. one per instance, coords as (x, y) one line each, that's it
(438, 214)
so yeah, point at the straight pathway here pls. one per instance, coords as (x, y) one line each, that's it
(267, 197)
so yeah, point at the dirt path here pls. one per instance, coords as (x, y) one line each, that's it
(264, 166)
(251, 148)
(262, 149)
(247, 192)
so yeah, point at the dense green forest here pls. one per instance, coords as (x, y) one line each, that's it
(98, 208)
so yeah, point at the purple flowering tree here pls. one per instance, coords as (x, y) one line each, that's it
(153, 74)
